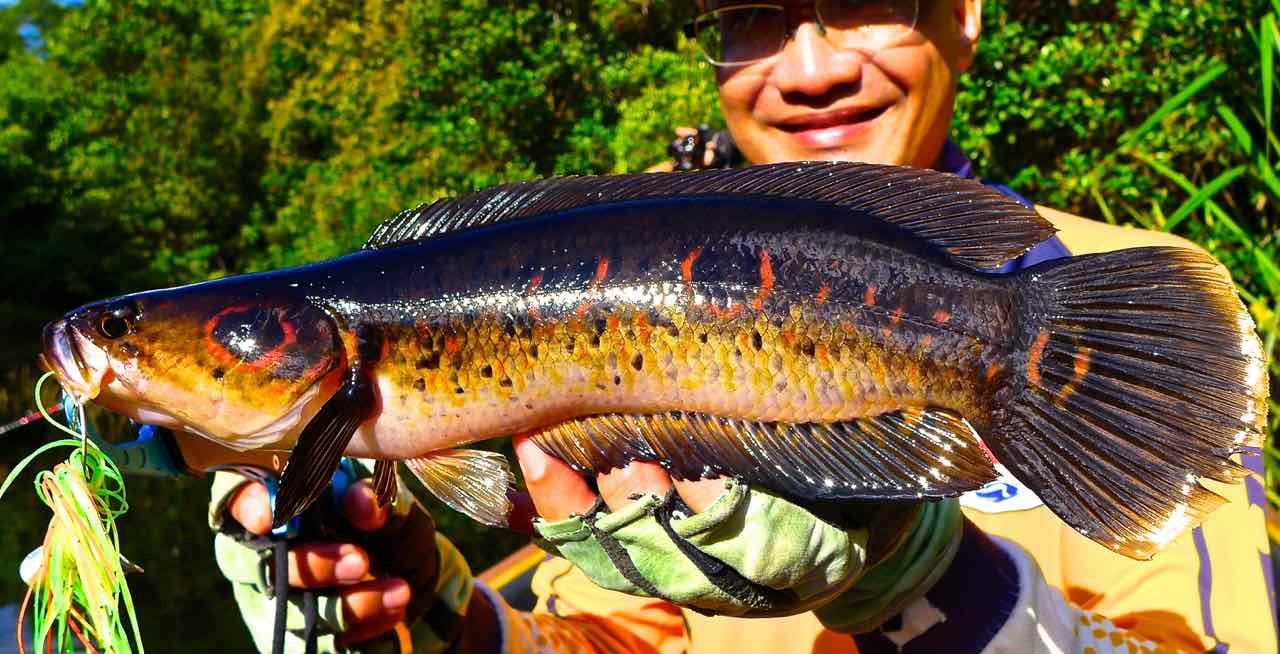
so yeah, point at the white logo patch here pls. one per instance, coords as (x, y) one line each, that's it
(1001, 496)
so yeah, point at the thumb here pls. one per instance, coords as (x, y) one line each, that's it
(360, 505)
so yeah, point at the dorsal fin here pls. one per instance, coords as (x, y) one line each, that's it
(974, 224)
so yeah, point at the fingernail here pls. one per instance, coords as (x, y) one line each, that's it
(351, 567)
(397, 596)
(532, 461)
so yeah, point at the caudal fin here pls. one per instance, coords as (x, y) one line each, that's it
(1142, 375)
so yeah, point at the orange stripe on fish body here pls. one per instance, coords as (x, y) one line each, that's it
(894, 319)
(766, 280)
(593, 290)
(529, 291)
(686, 269)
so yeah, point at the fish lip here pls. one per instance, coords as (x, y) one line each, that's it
(63, 356)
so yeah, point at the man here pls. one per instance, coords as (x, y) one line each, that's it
(873, 82)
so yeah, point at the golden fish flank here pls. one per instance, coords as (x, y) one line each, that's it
(748, 363)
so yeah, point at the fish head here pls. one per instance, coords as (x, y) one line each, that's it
(237, 366)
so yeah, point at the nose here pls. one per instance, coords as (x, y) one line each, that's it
(810, 67)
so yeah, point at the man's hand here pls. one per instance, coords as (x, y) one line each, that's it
(558, 492)
(370, 606)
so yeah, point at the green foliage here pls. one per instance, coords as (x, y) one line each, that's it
(164, 141)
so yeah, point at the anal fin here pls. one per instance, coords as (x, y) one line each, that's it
(472, 482)
(320, 446)
(908, 454)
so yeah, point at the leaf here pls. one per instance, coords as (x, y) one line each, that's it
(1267, 176)
(1102, 202)
(1173, 175)
(1267, 45)
(1238, 130)
(1175, 103)
(1268, 271)
(1203, 195)
(1158, 219)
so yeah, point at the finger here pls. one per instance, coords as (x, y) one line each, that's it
(251, 507)
(557, 491)
(622, 486)
(682, 132)
(366, 630)
(375, 601)
(360, 505)
(700, 493)
(325, 565)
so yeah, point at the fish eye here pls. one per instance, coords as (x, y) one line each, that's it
(117, 321)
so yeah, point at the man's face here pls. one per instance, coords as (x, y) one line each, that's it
(814, 102)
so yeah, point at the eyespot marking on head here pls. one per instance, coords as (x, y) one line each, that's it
(247, 335)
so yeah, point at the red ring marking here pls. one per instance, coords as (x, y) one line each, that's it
(266, 360)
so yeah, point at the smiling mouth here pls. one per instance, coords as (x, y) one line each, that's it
(830, 119)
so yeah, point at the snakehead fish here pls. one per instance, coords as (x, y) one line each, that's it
(827, 331)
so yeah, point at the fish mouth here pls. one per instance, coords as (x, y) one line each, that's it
(80, 366)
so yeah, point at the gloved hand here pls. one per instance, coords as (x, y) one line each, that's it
(746, 552)
(401, 571)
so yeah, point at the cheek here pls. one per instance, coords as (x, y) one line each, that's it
(739, 89)
(921, 118)
(740, 92)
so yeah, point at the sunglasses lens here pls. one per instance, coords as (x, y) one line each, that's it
(867, 24)
(741, 34)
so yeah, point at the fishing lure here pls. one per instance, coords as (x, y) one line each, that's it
(76, 579)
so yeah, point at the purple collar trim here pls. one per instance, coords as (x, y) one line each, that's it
(953, 161)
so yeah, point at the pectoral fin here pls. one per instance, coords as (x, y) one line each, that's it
(320, 447)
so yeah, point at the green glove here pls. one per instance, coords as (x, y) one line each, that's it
(407, 547)
(752, 553)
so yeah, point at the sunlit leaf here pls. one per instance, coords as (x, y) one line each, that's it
(1203, 195)
(1267, 45)
(1238, 130)
(1176, 102)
